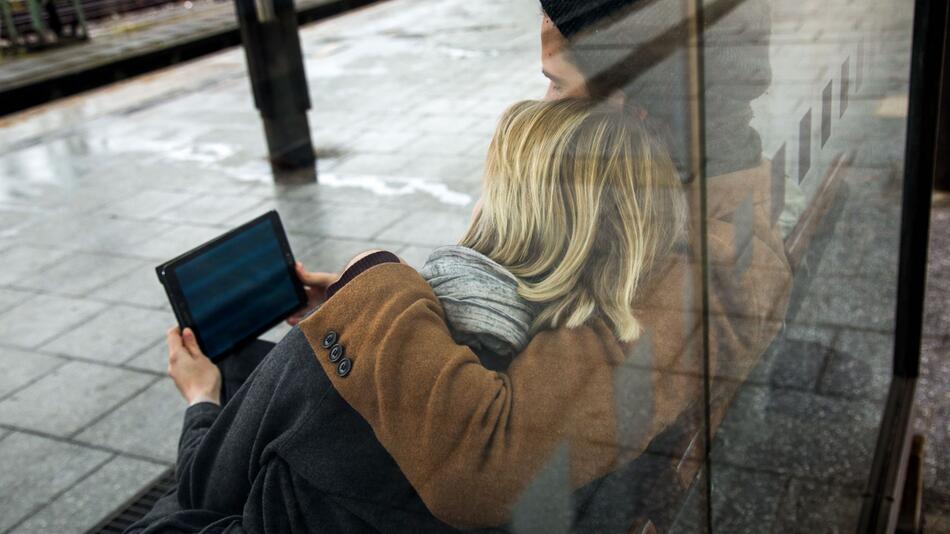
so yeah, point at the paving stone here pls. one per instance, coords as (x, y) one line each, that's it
(935, 359)
(149, 424)
(94, 233)
(861, 365)
(939, 263)
(293, 213)
(70, 397)
(42, 318)
(937, 310)
(12, 220)
(860, 302)
(810, 507)
(10, 298)
(690, 517)
(351, 223)
(140, 287)
(744, 501)
(932, 419)
(453, 145)
(176, 241)
(154, 359)
(447, 168)
(301, 242)
(795, 359)
(799, 434)
(101, 493)
(20, 367)
(433, 229)
(444, 124)
(838, 256)
(80, 273)
(22, 261)
(35, 469)
(385, 142)
(372, 164)
(183, 176)
(339, 192)
(211, 209)
(148, 204)
(115, 335)
(332, 255)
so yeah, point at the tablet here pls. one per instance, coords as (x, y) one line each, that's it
(235, 287)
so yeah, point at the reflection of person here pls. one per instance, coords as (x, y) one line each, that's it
(413, 426)
(635, 50)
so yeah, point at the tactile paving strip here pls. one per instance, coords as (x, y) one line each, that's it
(137, 507)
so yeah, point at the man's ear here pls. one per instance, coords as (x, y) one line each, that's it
(617, 98)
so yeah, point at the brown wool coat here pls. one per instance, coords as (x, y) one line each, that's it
(470, 440)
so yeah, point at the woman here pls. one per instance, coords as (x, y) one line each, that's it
(580, 202)
(471, 441)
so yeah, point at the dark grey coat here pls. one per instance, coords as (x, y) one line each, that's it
(286, 454)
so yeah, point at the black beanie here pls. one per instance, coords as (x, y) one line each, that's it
(571, 16)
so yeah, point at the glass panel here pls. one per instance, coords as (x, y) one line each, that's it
(681, 252)
(794, 448)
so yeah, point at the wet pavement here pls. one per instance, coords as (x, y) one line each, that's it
(97, 189)
(169, 31)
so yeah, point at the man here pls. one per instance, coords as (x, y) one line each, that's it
(413, 433)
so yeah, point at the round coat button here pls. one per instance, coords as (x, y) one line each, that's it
(336, 353)
(345, 366)
(329, 339)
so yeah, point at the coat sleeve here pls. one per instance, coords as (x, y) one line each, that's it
(198, 420)
(447, 421)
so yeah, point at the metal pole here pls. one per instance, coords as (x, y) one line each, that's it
(8, 22)
(36, 16)
(882, 497)
(81, 20)
(698, 203)
(942, 166)
(275, 65)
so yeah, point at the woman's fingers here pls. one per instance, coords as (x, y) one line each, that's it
(173, 340)
(191, 343)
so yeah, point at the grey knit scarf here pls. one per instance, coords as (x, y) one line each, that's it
(480, 297)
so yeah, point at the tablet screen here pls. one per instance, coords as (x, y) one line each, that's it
(237, 286)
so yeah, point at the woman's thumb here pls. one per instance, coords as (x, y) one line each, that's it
(314, 279)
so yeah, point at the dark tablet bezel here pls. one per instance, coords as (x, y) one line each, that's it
(169, 280)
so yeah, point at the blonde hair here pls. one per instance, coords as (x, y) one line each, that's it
(580, 202)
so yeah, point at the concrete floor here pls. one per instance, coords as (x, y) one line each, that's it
(97, 189)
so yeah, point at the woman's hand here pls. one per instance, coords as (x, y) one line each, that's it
(315, 284)
(197, 377)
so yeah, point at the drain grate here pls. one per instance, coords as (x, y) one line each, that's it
(137, 507)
